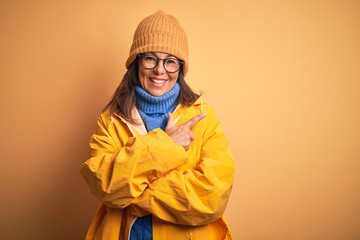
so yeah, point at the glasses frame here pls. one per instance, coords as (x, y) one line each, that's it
(140, 56)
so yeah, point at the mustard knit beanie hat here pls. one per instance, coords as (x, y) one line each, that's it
(160, 32)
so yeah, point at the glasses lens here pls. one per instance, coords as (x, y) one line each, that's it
(149, 61)
(171, 65)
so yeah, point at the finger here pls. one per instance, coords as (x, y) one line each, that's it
(177, 119)
(170, 122)
(194, 120)
(192, 136)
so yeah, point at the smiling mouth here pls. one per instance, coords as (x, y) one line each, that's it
(158, 82)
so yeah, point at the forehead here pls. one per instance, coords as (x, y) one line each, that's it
(160, 54)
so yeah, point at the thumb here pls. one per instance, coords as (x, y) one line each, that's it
(170, 122)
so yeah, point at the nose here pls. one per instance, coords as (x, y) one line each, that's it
(159, 69)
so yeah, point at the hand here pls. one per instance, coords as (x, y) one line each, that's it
(182, 134)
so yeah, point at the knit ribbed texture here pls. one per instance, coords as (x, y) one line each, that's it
(154, 110)
(142, 228)
(160, 32)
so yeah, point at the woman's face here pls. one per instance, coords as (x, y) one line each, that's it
(157, 81)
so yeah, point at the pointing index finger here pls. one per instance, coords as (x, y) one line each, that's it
(195, 119)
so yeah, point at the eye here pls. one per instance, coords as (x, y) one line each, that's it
(149, 58)
(171, 61)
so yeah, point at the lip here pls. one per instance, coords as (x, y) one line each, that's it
(157, 79)
(158, 82)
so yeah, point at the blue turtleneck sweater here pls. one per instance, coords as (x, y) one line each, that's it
(153, 110)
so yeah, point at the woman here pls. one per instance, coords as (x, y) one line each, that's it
(160, 162)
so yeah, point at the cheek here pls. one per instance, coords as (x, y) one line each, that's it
(141, 77)
(175, 77)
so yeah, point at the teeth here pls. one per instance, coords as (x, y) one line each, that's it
(158, 81)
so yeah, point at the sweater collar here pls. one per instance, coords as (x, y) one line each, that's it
(150, 104)
(153, 110)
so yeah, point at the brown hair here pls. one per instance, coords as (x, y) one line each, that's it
(123, 101)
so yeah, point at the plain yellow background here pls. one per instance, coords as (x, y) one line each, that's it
(283, 76)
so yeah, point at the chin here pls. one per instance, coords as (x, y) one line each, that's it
(157, 93)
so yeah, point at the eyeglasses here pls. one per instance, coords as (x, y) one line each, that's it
(149, 61)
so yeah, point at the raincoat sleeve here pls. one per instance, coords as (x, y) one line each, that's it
(198, 194)
(121, 167)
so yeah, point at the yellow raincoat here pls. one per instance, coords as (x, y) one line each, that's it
(136, 173)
